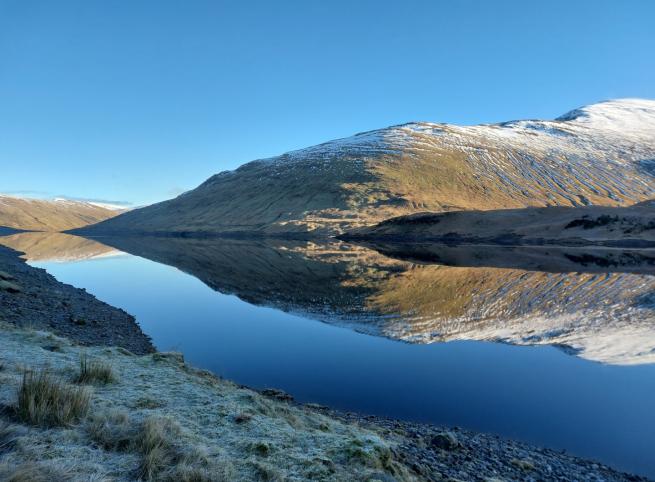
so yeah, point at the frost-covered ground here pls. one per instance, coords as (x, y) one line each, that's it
(232, 432)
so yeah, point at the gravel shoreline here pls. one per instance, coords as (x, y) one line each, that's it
(32, 298)
(437, 453)
(37, 300)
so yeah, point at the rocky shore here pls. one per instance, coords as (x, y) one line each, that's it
(207, 428)
(454, 454)
(30, 297)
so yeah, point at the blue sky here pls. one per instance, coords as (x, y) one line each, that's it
(136, 101)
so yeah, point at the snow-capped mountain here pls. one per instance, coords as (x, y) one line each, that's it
(602, 154)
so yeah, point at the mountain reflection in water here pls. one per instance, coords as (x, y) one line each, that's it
(597, 304)
(57, 247)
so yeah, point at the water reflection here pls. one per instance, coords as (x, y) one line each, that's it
(57, 247)
(528, 296)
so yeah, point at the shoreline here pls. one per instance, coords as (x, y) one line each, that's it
(403, 450)
(43, 302)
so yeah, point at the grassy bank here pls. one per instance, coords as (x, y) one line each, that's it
(90, 413)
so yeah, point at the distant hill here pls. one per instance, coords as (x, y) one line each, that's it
(602, 154)
(51, 215)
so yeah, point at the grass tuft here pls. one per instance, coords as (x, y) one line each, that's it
(242, 417)
(112, 430)
(263, 449)
(46, 401)
(164, 458)
(159, 442)
(156, 443)
(95, 372)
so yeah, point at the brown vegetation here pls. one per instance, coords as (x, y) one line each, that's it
(48, 401)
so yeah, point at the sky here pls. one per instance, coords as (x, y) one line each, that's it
(138, 101)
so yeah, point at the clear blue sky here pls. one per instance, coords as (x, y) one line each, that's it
(138, 100)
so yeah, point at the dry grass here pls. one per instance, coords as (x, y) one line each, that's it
(9, 435)
(165, 455)
(165, 459)
(34, 472)
(112, 430)
(95, 372)
(46, 401)
(156, 443)
(266, 472)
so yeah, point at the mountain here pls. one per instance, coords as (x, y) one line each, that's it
(588, 225)
(529, 296)
(52, 215)
(602, 154)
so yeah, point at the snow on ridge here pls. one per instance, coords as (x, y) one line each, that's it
(81, 202)
(361, 145)
(68, 257)
(10, 199)
(626, 116)
(618, 108)
(630, 120)
(110, 206)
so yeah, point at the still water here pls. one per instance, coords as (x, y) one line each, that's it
(552, 348)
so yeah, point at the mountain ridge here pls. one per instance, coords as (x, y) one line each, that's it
(602, 154)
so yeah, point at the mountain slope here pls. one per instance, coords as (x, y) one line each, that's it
(46, 215)
(600, 154)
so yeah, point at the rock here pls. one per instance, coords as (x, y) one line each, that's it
(77, 320)
(171, 356)
(277, 394)
(523, 464)
(445, 441)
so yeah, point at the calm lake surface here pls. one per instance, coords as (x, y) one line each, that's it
(556, 349)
